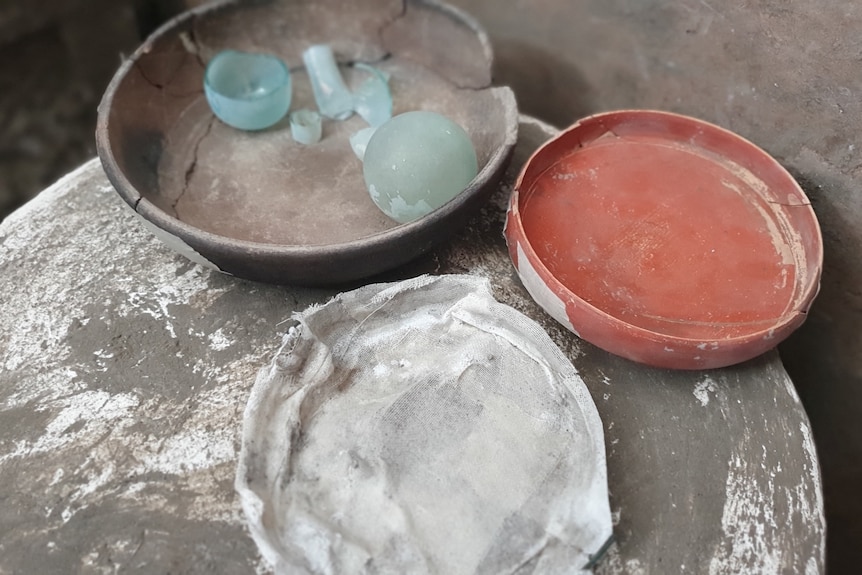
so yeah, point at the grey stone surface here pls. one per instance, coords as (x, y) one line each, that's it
(124, 371)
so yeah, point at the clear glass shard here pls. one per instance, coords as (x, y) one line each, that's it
(372, 99)
(333, 98)
(359, 141)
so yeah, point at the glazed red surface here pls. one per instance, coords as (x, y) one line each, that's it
(662, 237)
(665, 239)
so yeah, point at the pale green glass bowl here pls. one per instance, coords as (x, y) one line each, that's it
(247, 91)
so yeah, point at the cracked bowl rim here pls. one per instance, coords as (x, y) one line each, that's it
(424, 228)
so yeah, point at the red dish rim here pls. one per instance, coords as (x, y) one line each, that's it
(618, 336)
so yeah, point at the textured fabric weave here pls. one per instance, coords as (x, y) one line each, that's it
(422, 427)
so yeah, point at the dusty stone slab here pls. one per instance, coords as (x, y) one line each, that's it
(124, 370)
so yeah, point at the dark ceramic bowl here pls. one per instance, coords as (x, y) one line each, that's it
(260, 206)
(665, 239)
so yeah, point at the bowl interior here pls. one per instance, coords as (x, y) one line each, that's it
(218, 185)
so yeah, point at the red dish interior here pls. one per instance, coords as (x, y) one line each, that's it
(671, 225)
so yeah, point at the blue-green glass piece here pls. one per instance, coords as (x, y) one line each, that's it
(333, 98)
(247, 91)
(372, 99)
(305, 126)
(359, 141)
(416, 162)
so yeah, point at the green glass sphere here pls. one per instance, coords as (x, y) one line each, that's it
(416, 162)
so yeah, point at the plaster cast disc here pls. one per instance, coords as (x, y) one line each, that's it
(422, 427)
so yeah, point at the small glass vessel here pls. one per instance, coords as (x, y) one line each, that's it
(306, 126)
(247, 91)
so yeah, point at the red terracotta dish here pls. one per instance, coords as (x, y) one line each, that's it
(665, 239)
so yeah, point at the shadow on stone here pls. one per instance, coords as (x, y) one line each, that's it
(546, 86)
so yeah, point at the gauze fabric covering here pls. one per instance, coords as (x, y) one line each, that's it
(422, 427)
